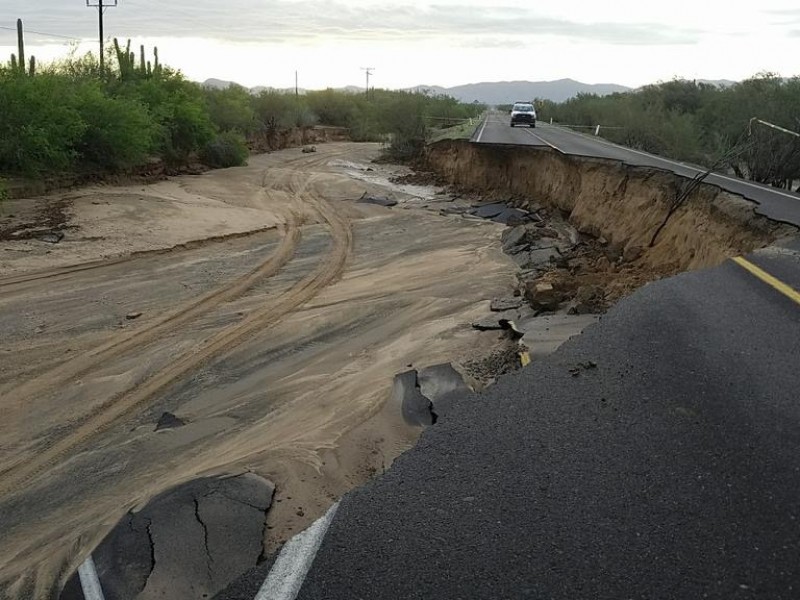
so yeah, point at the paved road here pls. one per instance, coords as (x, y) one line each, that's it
(655, 457)
(776, 204)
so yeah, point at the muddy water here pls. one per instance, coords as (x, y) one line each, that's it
(288, 377)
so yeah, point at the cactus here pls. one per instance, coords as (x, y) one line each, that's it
(21, 45)
(125, 58)
(32, 70)
(14, 66)
(128, 65)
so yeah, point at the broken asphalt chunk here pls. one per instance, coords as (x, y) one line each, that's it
(189, 542)
(169, 421)
(504, 304)
(511, 217)
(51, 237)
(417, 410)
(490, 211)
(378, 200)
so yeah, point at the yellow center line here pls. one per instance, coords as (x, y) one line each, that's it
(774, 282)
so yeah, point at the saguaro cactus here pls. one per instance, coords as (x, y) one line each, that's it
(21, 45)
(32, 69)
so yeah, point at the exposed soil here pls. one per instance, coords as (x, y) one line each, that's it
(597, 219)
(622, 204)
(34, 220)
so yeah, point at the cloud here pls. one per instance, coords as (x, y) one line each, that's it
(287, 20)
(785, 16)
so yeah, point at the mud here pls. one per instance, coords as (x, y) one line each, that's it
(274, 346)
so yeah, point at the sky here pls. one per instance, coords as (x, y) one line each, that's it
(446, 42)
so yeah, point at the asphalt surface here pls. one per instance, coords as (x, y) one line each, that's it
(654, 456)
(779, 205)
(189, 542)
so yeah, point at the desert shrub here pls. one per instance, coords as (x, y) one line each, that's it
(228, 149)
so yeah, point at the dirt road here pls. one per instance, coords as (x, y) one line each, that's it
(276, 347)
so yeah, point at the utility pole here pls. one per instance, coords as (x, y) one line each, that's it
(368, 71)
(101, 6)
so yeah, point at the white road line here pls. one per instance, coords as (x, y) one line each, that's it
(90, 582)
(483, 128)
(541, 139)
(290, 569)
(690, 167)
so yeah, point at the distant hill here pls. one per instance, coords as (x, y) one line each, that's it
(506, 92)
(493, 93)
(221, 84)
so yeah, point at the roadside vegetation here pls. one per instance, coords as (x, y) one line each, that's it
(73, 118)
(700, 123)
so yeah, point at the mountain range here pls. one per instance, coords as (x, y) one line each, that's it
(498, 92)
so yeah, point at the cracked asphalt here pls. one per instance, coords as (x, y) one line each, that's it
(186, 543)
(652, 457)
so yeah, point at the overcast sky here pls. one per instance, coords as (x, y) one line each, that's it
(447, 42)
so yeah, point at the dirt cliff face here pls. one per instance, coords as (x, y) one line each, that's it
(280, 139)
(608, 199)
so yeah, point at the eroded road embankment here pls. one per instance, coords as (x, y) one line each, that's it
(669, 225)
(651, 457)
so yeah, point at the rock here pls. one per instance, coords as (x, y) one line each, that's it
(308, 149)
(133, 315)
(632, 253)
(590, 299)
(52, 237)
(614, 252)
(490, 211)
(169, 421)
(543, 296)
(539, 258)
(547, 232)
(514, 237)
(511, 217)
(576, 308)
(379, 200)
(504, 304)
(602, 264)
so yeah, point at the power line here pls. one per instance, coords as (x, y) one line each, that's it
(55, 35)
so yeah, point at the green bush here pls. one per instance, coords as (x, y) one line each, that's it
(39, 124)
(119, 132)
(179, 112)
(228, 149)
(231, 109)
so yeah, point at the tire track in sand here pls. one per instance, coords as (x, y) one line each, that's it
(137, 397)
(81, 365)
(85, 363)
(62, 272)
